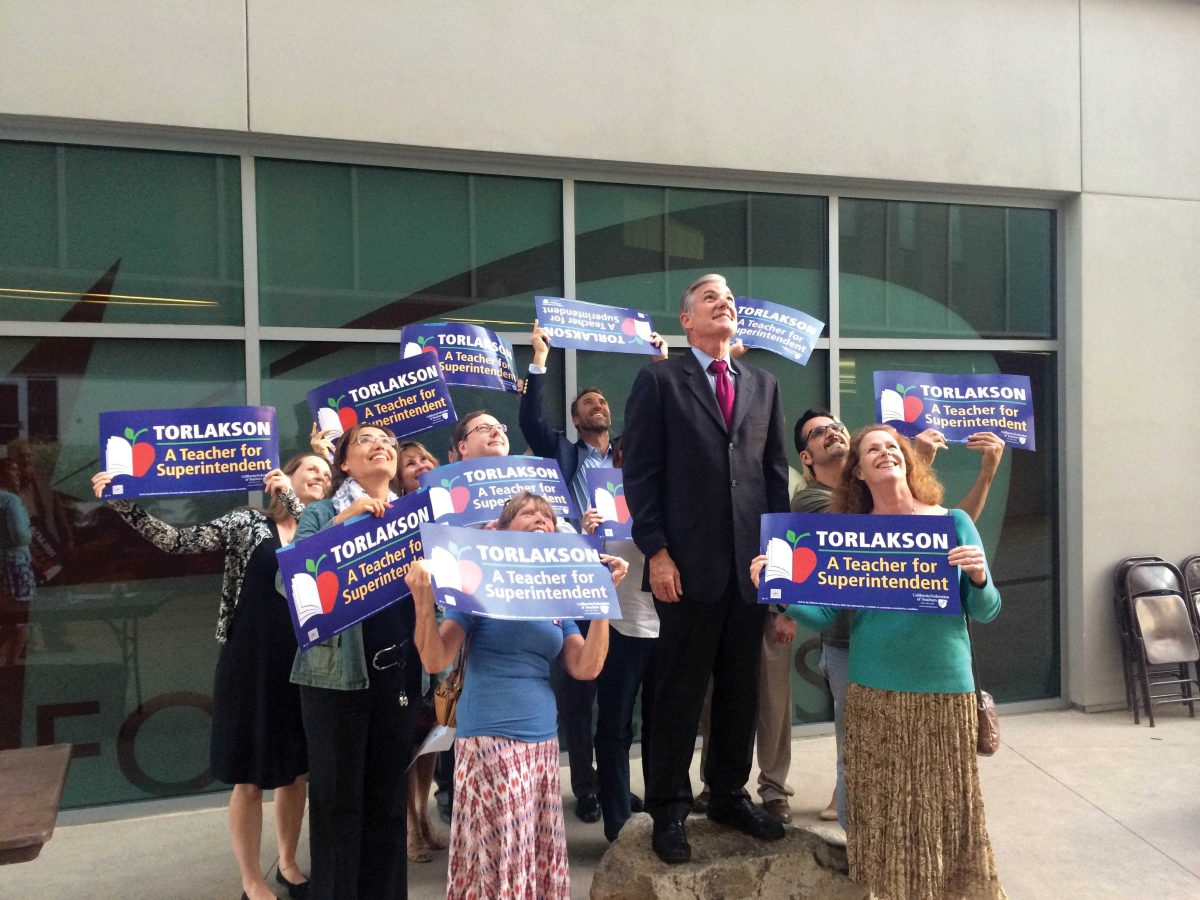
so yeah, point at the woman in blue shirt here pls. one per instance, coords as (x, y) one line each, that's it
(508, 822)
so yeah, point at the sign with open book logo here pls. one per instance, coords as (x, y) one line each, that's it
(408, 397)
(859, 562)
(590, 326)
(519, 574)
(958, 405)
(348, 572)
(471, 356)
(161, 452)
(780, 329)
(474, 491)
(607, 489)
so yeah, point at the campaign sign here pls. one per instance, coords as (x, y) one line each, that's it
(345, 573)
(471, 356)
(590, 326)
(474, 491)
(780, 329)
(860, 562)
(160, 452)
(407, 396)
(519, 574)
(957, 405)
(606, 487)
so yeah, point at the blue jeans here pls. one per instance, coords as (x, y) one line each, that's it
(616, 692)
(835, 665)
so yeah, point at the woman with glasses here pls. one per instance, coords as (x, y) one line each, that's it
(257, 734)
(915, 825)
(355, 691)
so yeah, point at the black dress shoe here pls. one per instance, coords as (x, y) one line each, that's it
(295, 890)
(670, 843)
(743, 815)
(587, 808)
(635, 804)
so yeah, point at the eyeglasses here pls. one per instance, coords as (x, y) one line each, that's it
(822, 429)
(367, 440)
(496, 426)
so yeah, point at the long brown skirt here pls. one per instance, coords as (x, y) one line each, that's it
(914, 808)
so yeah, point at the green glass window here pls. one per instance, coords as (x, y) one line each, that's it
(115, 651)
(642, 246)
(91, 234)
(935, 270)
(1017, 653)
(368, 247)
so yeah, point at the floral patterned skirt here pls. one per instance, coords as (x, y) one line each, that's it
(916, 829)
(507, 839)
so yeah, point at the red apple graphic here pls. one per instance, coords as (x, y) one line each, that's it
(346, 415)
(428, 345)
(618, 492)
(327, 583)
(143, 452)
(628, 326)
(912, 403)
(469, 574)
(459, 496)
(804, 559)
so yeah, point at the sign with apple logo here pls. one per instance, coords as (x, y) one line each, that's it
(591, 326)
(166, 452)
(607, 488)
(958, 405)
(346, 573)
(409, 396)
(518, 574)
(471, 355)
(474, 491)
(781, 329)
(859, 562)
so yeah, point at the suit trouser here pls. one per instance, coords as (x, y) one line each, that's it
(697, 640)
(616, 693)
(773, 737)
(359, 747)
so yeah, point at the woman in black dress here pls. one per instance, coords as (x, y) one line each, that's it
(257, 733)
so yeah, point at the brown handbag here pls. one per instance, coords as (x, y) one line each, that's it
(445, 696)
(987, 741)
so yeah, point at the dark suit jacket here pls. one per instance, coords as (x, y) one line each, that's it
(694, 486)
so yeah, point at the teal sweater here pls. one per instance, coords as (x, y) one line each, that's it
(914, 652)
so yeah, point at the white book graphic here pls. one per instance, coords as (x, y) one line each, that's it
(606, 505)
(412, 348)
(891, 405)
(327, 420)
(642, 329)
(305, 597)
(118, 456)
(779, 560)
(440, 502)
(445, 569)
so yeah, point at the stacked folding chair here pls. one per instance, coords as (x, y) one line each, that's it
(1160, 636)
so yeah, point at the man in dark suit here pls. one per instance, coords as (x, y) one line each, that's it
(704, 459)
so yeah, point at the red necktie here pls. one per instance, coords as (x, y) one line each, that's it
(724, 388)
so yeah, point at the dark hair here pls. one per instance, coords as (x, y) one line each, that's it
(853, 495)
(517, 502)
(579, 396)
(814, 413)
(343, 447)
(460, 427)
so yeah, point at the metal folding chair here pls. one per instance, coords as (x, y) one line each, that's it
(1125, 629)
(1164, 633)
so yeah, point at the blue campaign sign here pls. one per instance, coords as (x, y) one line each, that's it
(519, 574)
(471, 356)
(590, 326)
(474, 491)
(860, 562)
(957, 405)
(606, 487)
(408, 397)
(345, 573)
(780, 329)
(160, 452)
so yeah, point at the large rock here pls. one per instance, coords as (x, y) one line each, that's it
(726, 865)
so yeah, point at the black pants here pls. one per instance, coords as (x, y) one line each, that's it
(616, 693)
(576, 700)
(359, 747)
(699, 640)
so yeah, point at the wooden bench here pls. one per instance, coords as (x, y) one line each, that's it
(31, 786)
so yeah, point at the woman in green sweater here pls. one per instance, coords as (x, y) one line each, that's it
(914, 807)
